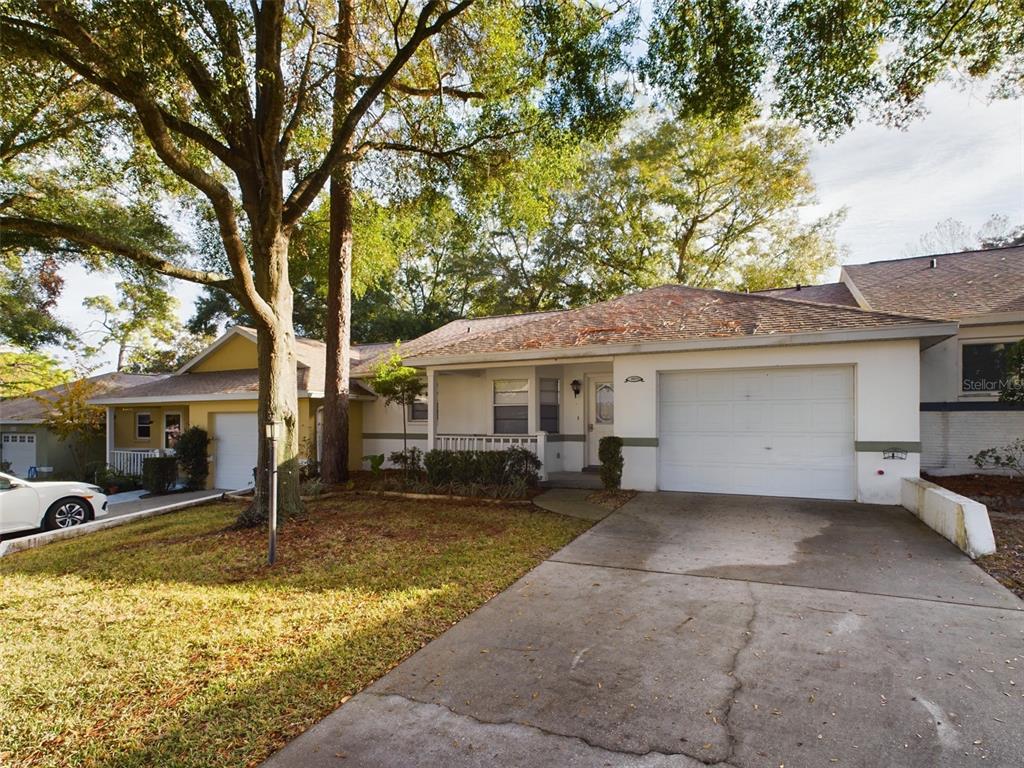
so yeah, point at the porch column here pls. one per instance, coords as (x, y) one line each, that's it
(110, 435)
(432, 408)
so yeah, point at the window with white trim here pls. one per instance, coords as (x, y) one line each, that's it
(143, 425)
(550, 391)
(418, 410)
(984, 367)
(511, 406)
(172, 429)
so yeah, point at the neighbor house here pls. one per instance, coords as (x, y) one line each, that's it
(983, 291)
(31, 449)
(217, 391)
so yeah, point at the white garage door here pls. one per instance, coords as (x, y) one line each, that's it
(19, 449)
(236, 441)
(773, 432)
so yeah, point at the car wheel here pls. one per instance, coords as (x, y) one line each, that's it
(66, 513)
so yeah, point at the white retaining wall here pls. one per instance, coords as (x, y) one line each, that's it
(961, 520)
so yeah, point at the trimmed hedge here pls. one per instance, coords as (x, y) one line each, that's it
(509, 467)
(159, 473)
(609, 451)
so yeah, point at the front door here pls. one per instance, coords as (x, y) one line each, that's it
(600, 415)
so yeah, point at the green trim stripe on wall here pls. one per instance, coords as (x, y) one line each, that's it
(878, 446)
(640, 442)
(566, 438)
(393, 436)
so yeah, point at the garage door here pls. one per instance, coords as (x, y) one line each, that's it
(774, 432)
(235, 444)
(19, 449)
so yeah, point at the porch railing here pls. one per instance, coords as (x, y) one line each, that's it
(534, 443)
(130, 462)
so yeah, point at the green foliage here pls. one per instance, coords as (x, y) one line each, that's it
(142, 323)
(73, 420)
(376, 461)
(159, 473)
(609, 453)
(1013, 390)
(24, 372)
(514, 467)
(410, 460)
(1009, 457)
(398, 384)
(190, 451)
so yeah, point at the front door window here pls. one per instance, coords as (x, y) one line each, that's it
(172, 429)
(604, 412)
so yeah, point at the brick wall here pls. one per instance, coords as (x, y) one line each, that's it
(949, 437)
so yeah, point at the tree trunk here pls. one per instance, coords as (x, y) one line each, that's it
(278, 385)
(334, 462)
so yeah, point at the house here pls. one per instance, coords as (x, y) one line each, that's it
(217, 390)
(983, 291)
(31, 449)
(821, 391)
(711, 391)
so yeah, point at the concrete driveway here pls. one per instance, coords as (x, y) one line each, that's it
(689, 630)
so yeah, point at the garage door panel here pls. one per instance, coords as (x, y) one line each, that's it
(236, 441)
(786, 432)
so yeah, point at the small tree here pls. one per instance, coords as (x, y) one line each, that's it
(1012, 390)
(73, 420)
(398, 383)
(609, 451)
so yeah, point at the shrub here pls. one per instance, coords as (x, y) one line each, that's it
(376, 462)
(1009, 457)
(458, 470)
(409, 460)
(314, 487)
(159, 473)
(191, 455)
(609, 451)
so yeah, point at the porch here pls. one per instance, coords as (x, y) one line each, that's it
(128, 461)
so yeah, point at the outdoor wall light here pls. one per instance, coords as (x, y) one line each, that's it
(575, 386)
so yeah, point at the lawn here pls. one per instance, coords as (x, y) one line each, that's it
(169, 642)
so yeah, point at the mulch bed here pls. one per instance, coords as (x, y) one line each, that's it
(610, 500)
(1004, 497)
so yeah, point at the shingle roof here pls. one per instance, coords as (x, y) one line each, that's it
(829, 293)
(667, 313)
(960, 285)
(456, 330)
(29, 410)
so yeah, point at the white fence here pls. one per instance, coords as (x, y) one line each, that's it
(533, 443)
(130, 462)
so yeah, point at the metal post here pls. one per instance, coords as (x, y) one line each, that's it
(272, 494)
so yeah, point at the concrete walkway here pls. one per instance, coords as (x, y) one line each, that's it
(687, 630)
(132, 505)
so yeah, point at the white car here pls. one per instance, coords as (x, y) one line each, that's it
(26, 504)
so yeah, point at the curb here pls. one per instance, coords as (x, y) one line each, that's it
(40, 539)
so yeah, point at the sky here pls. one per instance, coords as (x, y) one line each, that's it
(964, 160)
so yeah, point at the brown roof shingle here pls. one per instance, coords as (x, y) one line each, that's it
(668, 313)
(960, 285)
(828, 293)
(29, 410)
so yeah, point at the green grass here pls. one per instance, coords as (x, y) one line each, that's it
(168, 642)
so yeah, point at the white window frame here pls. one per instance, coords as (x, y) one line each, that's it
(426, 413)
(558, 403)
(181, 425)
(139, 437)
(494, 392)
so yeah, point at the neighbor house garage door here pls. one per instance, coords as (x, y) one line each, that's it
(775, 432)
(18, 449)
(235, 444)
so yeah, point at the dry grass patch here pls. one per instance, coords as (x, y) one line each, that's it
(169, 642)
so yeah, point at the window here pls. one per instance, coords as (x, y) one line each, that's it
(549, 398)
(172, 429)
(143, 424)
(510, 406)
(418, 411)
(984, 367)
(604, 404)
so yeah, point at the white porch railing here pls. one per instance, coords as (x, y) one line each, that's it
(130, 462)
(533, 443)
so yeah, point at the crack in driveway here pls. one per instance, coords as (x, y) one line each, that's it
(694, 759)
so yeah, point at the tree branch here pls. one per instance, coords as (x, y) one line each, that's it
(82, 236)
